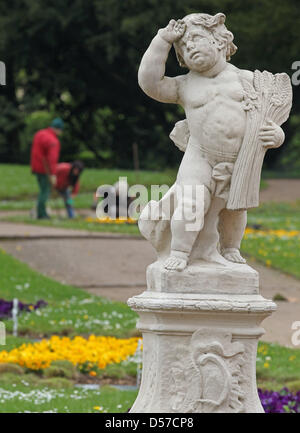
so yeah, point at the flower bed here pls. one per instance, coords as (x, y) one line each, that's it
(278, 248)
(6, 307)
(280, 233)
(96, 352)
(87, 353)
(283, 401)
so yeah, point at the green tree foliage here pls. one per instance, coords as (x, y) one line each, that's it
(79, 59)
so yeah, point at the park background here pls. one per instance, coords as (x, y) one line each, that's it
(79, 60)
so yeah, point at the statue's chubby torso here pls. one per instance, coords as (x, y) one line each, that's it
(214, 111)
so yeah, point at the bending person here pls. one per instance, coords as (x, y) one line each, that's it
(67, 183)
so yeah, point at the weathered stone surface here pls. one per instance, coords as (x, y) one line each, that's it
(204, 277)
(199, 355)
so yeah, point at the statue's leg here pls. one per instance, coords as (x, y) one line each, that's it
(193, 201)
(232, 224)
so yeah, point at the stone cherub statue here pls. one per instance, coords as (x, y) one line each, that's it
(232, 117)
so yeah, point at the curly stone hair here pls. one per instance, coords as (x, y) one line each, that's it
(215, 24)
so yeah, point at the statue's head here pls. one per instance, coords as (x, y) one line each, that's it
(205, 39)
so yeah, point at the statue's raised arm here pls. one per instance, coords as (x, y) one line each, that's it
(151, 73)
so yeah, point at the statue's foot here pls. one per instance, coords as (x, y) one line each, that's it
(175, 264)
(177, 261)
(233, 255)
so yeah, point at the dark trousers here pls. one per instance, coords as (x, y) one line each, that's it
(66, 195)
(45, 189)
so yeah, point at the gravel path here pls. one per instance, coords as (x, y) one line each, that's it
(279, 190)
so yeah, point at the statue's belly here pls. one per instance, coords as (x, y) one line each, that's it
(219, 126)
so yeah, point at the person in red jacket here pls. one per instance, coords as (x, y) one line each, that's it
(67, 183)
(44, 157)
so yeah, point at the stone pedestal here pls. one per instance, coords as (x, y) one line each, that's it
(200, 332)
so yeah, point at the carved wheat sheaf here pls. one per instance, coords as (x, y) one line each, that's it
(269, 98)
(207, 375)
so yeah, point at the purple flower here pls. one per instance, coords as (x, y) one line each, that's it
(6, 307)
(283, 401)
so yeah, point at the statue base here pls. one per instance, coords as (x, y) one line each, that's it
(204, 277)
(200, 345)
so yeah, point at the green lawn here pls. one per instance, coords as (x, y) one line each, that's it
(25, 398)
(12, 342)
(276, 216)
(281, 252)
(70, 310)
(81, 201)
(277, 367)
(18, 182)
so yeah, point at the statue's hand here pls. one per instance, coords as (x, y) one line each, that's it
(173, 31)
(271, 135)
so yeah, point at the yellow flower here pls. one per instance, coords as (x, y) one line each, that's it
(292, 357)
(98, 407)
(268, 262)
(266, 365)
(107, 220)
(280, 233)
(96, 350)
